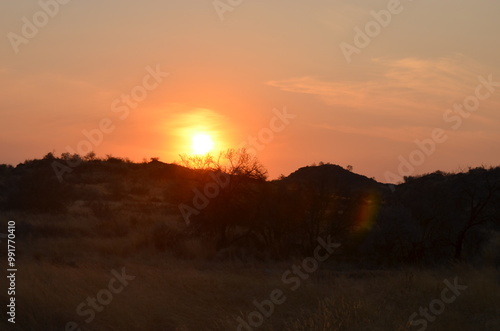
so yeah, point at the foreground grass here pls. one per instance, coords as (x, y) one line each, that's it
(178, 295)
(64, 260)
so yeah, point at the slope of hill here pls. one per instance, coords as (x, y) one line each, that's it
(337, 178)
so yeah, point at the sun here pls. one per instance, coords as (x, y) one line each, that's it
(202, 144)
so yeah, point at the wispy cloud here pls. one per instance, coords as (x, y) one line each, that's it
(396, 82)
(409, 95)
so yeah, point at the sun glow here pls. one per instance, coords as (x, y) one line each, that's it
(198, 132)
(202, 143)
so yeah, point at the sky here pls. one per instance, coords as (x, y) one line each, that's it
(393, 88)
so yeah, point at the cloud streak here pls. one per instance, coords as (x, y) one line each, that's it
(409, 95)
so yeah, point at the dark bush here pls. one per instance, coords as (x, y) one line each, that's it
(37, 190)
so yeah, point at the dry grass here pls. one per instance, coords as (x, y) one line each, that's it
(73, 261)
(169, 294)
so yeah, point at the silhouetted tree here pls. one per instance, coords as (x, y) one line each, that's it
(478, 195)
(233, 204)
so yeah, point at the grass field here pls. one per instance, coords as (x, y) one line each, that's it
(62, 261)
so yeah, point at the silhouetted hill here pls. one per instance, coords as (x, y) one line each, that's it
(336, 177)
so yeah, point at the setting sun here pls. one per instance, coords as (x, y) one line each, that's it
(202, 144)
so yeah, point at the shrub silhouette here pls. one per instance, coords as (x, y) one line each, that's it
(34, 187)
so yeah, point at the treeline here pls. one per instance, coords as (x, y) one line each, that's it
(37, 186)
(228, 200)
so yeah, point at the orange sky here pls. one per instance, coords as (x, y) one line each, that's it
(231, 77)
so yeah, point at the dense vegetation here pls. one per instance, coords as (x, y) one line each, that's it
(233, 211)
